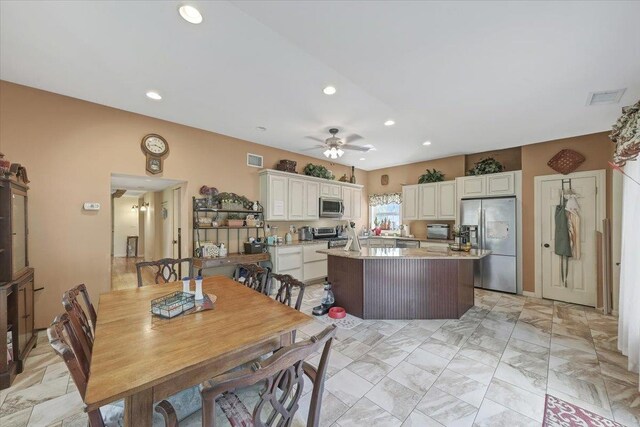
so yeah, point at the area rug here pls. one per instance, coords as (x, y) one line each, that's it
(348, 322)
(559, 413)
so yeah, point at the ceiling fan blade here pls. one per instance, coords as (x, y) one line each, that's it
(355, 148)
(315, 139)
(353, 137)
(315, 147)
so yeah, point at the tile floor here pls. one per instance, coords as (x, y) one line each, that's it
(490, 368)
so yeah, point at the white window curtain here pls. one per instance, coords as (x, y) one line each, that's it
(629, 317)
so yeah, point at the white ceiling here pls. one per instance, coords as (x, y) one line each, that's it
(468, 76)
(138, 185)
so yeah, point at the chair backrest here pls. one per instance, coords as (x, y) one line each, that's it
(282, 374)
(285, 290)
(166, 269)
(84, 330)
(255, 277)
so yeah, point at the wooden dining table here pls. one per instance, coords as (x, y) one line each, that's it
(143, 359)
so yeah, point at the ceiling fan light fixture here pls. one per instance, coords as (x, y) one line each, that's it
(340, 152)
(327, 153)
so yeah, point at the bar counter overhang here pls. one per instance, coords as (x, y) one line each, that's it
(403, 283)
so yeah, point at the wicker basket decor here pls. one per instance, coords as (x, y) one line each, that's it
(566, 161)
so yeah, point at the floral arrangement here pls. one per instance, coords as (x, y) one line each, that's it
(318, 171)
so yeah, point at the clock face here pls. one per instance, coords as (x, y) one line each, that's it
(154, 144)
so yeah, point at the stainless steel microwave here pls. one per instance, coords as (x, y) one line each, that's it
(331, 207)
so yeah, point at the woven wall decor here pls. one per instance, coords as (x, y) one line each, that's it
(566, 161)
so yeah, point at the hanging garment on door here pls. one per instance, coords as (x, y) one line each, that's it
(562, 239)
(573, 218)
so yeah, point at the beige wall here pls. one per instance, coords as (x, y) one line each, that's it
(71, 147)
(125, 223)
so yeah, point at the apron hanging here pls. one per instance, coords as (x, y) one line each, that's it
(562, 238)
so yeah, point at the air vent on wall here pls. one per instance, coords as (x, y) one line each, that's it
(605, 97)
(254, 160)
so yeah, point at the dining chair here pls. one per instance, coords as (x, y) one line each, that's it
(64, 341)
(166, 269)
(276, 384)
(285, 290)
(252, 276)
(83, 328)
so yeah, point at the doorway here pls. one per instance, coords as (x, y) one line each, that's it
(147, 211)
(581, 284)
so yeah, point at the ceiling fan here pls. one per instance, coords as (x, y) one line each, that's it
(334, 146)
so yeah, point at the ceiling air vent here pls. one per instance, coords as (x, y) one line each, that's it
(254, 160)
(605, 97)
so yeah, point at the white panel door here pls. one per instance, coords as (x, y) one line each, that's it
(311, 200)
(582, 277)
(500, 184)
(277, 195)
(471, 186)
(428, 200)
(347, 199)
(447, 200)
(409, 202)
(356, 204)
(296, 199)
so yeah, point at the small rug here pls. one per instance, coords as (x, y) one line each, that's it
(559, 413)
(347, 322)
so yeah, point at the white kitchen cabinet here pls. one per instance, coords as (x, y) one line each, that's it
(497, 184)
(300, 261)
(446, 202)
(409, 203)
(297, 200)
(330, 190)
(471, 186)
(380, 242)
(274, 192)
(500, 184)
(428, 201)
(356, 204)
(311, 209)
(291, 197)
(287, 260)
(347, 200)
(433, 245)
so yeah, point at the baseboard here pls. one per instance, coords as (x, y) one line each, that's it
(529, 294)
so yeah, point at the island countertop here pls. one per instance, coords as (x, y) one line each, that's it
(405, 253)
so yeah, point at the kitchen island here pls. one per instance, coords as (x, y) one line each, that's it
(397, 283)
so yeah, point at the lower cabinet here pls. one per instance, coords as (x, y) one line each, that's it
(433, 245)
(300, 261)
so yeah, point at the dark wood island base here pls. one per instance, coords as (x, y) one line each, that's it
(374, 286)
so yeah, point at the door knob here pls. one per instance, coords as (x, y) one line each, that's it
(546, 245)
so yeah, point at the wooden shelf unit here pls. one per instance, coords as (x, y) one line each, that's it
(16, 280)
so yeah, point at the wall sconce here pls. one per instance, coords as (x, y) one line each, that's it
(134, 207)
(144, 207)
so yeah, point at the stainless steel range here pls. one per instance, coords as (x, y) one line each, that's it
(329, 234)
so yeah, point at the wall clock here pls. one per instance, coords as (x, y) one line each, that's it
(155, 149)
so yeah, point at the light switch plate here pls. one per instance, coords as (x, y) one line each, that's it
(91, 206)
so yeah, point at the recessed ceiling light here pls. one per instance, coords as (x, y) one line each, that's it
(362, 158)
(426, 143)
(329, 90)
(389, 123)
(261, 128)
(154, 95)
(190, 14)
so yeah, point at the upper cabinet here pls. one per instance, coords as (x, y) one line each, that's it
(291, 197)
(429, 201)
(330, 190)
(409, 202)
(497, 184)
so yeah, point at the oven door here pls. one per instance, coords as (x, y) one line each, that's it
(331, 208)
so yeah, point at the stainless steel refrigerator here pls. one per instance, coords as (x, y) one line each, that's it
(491, 224)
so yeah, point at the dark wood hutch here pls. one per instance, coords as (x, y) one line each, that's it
(16, 281)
